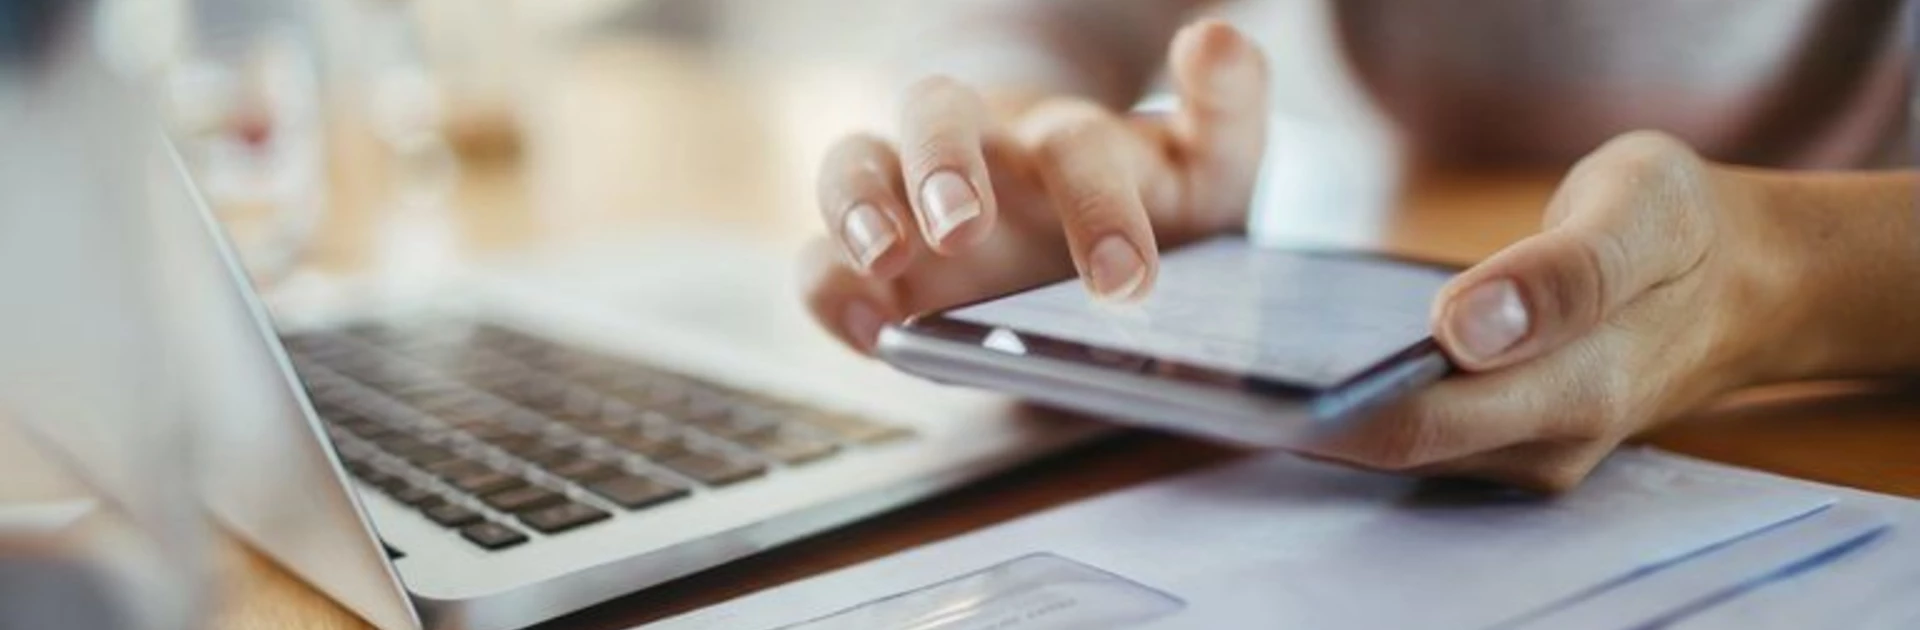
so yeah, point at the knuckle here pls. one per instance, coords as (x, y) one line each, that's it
(1062, 125)
(1069, 134)
(944, 149)
(1579, 275)
(1089, 203)
(1636, 157)
(854, 165)
(936, 146)
(1602, 262)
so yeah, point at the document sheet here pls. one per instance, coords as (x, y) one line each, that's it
(1281, 542)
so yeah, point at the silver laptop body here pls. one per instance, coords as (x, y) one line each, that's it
(322, 496)
(329, 451)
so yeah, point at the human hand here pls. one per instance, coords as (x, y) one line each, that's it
(986, 193)
(1657, 284)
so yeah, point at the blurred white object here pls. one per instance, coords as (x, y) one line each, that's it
(246, 104)
(86, 372)
(1324, 183)
(1332, 169)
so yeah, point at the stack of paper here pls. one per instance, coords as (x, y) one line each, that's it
(1651, 540)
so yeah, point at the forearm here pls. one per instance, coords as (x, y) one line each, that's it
(1016, 51)
(1851, 242)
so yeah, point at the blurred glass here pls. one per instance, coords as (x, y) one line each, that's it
(298, 115)
(246, 105)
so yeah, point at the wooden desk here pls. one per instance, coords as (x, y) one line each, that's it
(640, 147)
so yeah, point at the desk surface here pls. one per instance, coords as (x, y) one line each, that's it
(616, 146)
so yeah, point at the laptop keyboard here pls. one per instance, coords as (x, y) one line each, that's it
(502, 435)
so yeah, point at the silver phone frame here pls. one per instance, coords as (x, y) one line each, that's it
(1253, 412)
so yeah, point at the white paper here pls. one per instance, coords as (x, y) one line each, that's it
(1876, 587)
(1284, 543)
(1718, 574)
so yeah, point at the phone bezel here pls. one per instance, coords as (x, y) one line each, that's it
(940, 326)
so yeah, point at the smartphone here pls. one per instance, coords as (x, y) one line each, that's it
(1253, 345)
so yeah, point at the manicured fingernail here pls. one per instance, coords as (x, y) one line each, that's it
(867, 234)
(1488, 320)
(862, 324)
(1114, 268)
(949, 202)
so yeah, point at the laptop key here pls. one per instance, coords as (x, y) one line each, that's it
(456, 468)
(387, 483)
(486, 482)
(788, 447)
(452, 515)
(649, 443)
(734, 425)
(523, 499)
(713, 470)
(360, 426)
(426, 455)
(635, 492)
(398, 442)
(514, 442)
(549, 456)
(584, 470)
(495, 433)
(562, 517)
(855, 429)
(491, 536)
(417, 496)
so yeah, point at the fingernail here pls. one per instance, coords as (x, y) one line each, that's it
(867, 234)
(949, 202)
(862, 324)
(1114, 268)
(1488, 320)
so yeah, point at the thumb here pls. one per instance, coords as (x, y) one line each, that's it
(1614, 240)
(1526, 300)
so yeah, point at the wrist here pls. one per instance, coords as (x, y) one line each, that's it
(1843, 250)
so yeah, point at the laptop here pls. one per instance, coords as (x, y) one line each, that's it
(499, 454)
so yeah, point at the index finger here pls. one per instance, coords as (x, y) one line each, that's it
(941, 130)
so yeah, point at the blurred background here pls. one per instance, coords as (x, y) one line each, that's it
(362, 152)
(415, 135)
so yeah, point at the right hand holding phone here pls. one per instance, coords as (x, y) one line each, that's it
(976, 199)
(1660, 282)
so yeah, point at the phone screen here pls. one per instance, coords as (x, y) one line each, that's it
(1305, 318)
